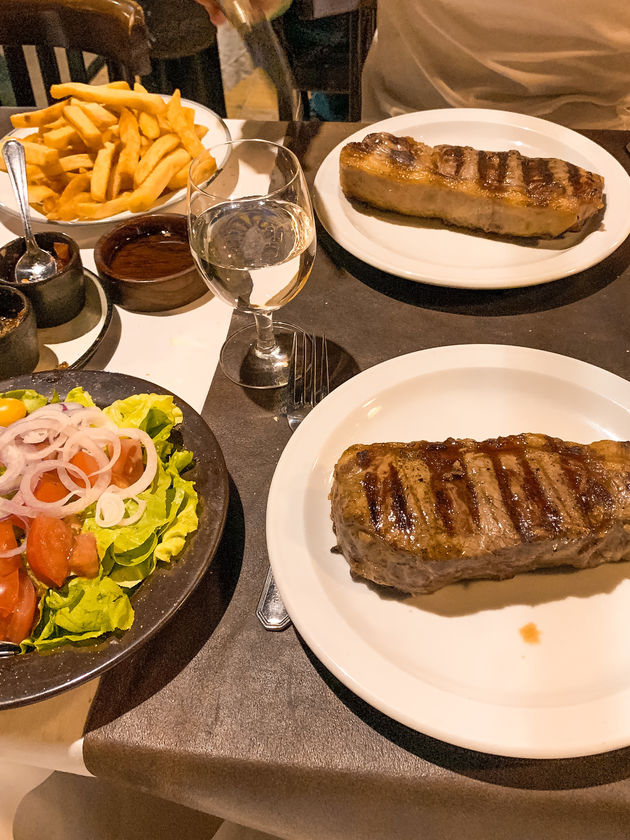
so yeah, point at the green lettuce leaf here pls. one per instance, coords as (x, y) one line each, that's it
(31, 398)
(79, 395)
(83, 609)
(155, 414)
(183, 522)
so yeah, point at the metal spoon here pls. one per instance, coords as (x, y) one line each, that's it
(35, 263)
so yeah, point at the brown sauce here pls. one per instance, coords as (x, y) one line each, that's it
(150, 255)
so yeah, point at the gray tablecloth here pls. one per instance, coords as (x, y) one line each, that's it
(218, 714)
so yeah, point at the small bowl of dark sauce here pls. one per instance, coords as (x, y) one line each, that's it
(147, 263)
(19, 351)
(56, 299)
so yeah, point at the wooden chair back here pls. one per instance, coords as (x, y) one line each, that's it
(333, 70)
(114, 30)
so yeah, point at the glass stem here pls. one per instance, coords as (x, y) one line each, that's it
(265, 338)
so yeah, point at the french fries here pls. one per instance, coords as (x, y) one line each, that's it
(177, 118)
(106, 149)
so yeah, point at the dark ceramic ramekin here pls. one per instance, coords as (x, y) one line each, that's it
(58, 298)
(19, 351)
(157, 290)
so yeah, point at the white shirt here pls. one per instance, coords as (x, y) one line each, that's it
(564, 60)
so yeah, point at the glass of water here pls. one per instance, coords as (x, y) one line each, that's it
(252, 235)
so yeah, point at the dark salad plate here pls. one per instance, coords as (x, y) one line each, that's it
(26, 678)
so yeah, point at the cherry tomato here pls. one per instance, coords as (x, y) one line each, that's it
(48, 547)
(50, 488)
(11, 410)
(128, 467)
(17, 626)
(8, 541)
(83, 560)
(86, 462)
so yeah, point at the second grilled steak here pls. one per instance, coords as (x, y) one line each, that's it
(419, 516)
(496, 192)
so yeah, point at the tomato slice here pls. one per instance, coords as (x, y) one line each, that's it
(17, 626)
(7, 542)
(86, 462)
(9, 590)
(48, 547)
(7, 535)
(128, 467)
(83, 560)
(50, 488)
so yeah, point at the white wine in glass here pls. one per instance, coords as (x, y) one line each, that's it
(252, 235)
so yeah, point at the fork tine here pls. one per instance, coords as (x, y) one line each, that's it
(306, 390)
(324, 369)
(314, 370)
(319, 369)
(293, 371)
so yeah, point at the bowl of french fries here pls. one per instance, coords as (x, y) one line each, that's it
(108, 152)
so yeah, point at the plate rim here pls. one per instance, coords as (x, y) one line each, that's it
(103, 656)
(108, 314)
(329, 202)
(303, 450)
(174, 198)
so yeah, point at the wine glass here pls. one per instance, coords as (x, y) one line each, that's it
(252, 235)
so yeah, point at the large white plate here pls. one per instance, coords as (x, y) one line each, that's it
(454, 664)
(218, 132)
(427, 251)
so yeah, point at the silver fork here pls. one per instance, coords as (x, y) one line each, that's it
(309, 383)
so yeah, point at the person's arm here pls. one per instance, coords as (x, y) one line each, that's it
(270, 8)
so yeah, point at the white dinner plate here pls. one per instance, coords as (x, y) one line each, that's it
(459, 665)
(218, 132)
(427, 251)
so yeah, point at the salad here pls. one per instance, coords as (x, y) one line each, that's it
(90, 501)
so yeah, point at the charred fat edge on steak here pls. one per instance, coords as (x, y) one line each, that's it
(419, 516)
(496, 192)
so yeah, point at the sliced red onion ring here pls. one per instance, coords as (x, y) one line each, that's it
(11, 552)
(150, 468)
(132, 518)
(64, 507)
(14, 461)
(94, 442)
(47, 440)
(111, 510)
(11, 507)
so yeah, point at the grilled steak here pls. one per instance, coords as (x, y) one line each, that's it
(418, 516)
(496, 192)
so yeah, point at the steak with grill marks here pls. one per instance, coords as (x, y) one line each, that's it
(496, 192)
(419, 516)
